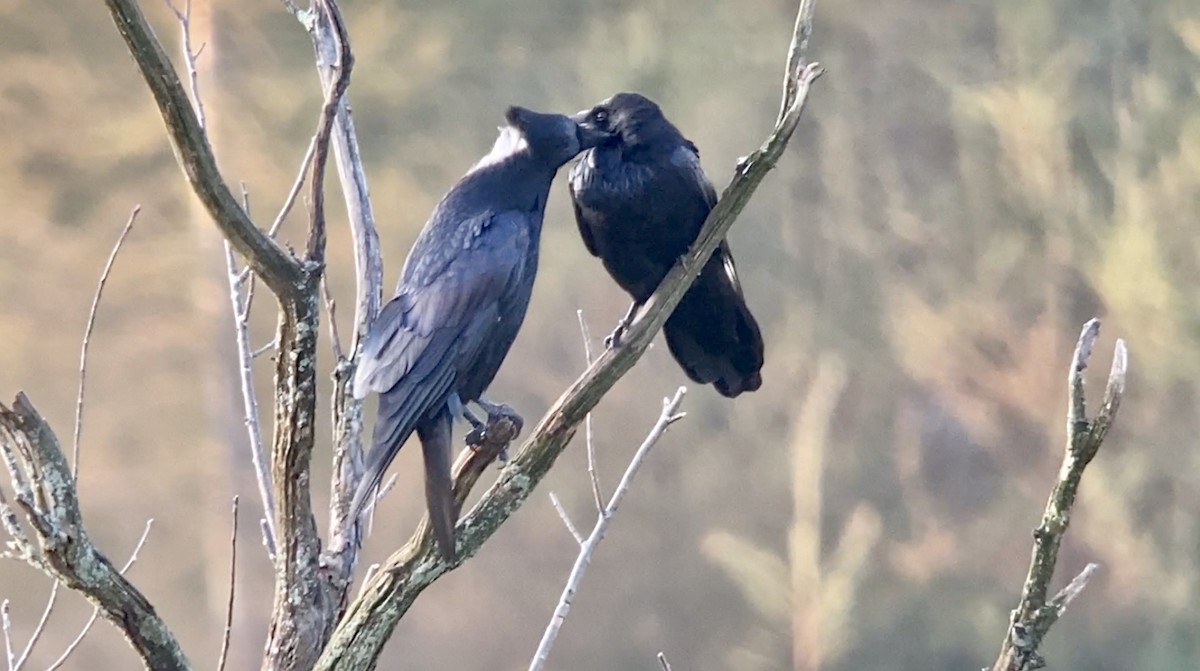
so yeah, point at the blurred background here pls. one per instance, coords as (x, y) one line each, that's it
(971, 182)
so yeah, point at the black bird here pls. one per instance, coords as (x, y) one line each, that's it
(461, 299)
(640, 200)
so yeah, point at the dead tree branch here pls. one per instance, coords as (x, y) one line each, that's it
(46, 495)
(87, 335)
(307, 594)
(330, 43)
(587, 547)
(283, 274)
(370, 620)
(87, 626)
(228, 630)
(1036, 613)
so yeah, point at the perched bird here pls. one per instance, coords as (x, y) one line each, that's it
(640, 200)
(461, 299)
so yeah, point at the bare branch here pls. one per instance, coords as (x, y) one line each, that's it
(32, 455)
(566, 519)
(343, 65)
(221, 659)
(593, 472)
(87, 626)
(331, 310)
(87, 335)
(331, 47)
(670, 415)
(1074, 588)
(310, 590)
(41, 625)
(189, 57)
(795, 58)
(1034, 616)
(6, 624)
(250, 412)
(274, 344)
(369, 621)
(278, 269)
(290, 200)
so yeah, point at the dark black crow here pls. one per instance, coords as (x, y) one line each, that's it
(460, 301)
(640, 199)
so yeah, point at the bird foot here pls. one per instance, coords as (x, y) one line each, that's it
(613, 340)
(477, 425)
(497, 413)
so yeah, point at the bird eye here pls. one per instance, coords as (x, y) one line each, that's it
(600, 115)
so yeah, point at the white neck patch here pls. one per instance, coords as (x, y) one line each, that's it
(510, 143)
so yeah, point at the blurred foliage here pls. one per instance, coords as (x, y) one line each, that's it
(973, 181)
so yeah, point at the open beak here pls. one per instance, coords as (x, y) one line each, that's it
(589, 135)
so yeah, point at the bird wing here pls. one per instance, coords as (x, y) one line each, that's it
(435, 327)
(453, 284)
(687, 157)
(581, 219)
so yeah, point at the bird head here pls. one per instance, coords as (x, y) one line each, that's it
(552, 138)
(629, 119)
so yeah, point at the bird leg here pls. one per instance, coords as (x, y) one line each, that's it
(495, 411)
(613, 340)
(477, 425)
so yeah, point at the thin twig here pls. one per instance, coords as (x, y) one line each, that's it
(1074, 588)
(801, 33)
(41, 625)
(297, 185)
(87, 335)
(78, 431)
(239, 305)
(669, 416)
(593, 473)
(274, 344)
(250, 412)
(333, 97)
(6, 624)
(566, 519)
(232, 590)
(189, 57)
(96, 610)
(331, 307)
(1035, 614)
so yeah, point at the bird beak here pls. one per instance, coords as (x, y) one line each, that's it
(589, 135)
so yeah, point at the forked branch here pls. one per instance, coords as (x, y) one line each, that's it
(1037, 612)
(45, 494)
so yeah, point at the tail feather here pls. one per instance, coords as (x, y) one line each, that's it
(714, 337)
(435, 435)
(400, 410)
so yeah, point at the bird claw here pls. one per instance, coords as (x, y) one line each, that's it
(475, 436)
(613, 340)
(478, 433)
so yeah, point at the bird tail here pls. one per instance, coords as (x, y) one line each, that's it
(439, 486)
(713, 335)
